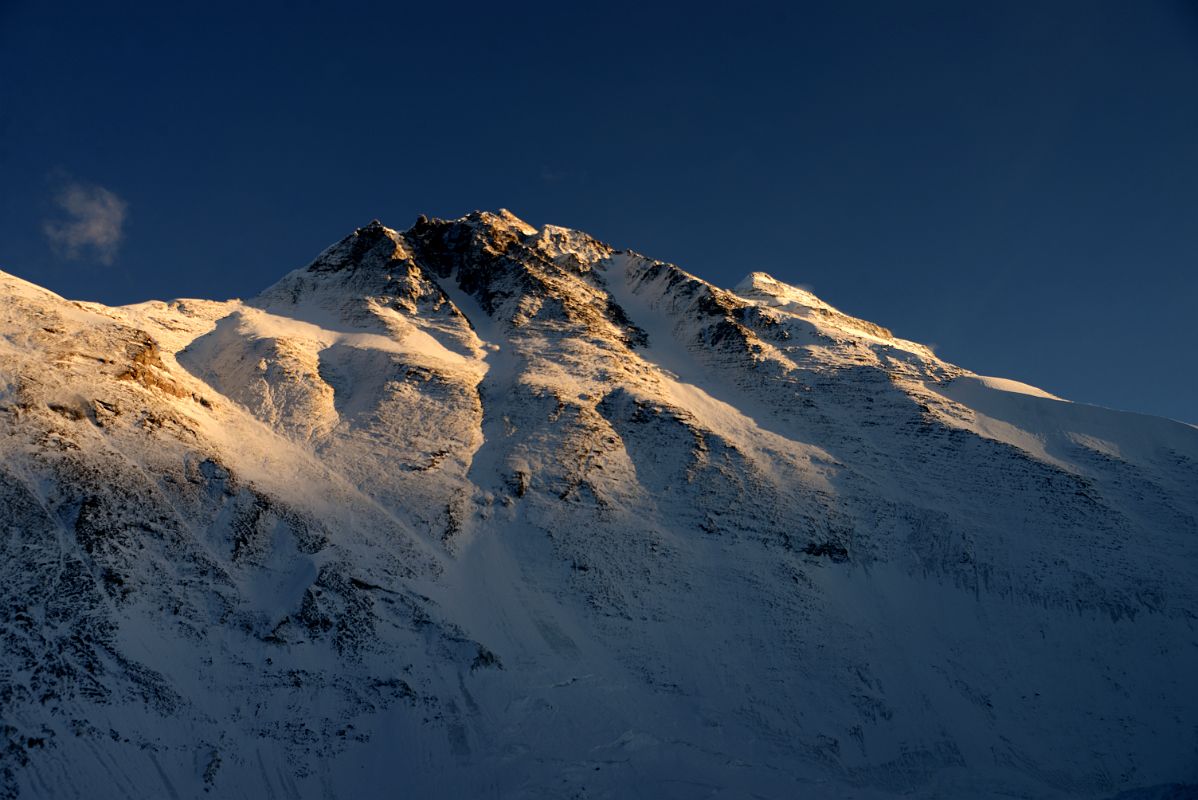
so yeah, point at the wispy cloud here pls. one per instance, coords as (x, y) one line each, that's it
(94, 222)
(550, 175)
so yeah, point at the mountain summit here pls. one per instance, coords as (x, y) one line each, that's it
(480, 509)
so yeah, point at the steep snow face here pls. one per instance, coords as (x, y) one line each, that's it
(477, 508)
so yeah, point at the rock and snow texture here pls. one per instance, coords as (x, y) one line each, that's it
(480, 510)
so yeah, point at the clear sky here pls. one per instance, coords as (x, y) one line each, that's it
(1015, 183)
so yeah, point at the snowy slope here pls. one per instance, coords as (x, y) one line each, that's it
(477, 509)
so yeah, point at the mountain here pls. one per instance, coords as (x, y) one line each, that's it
(482, 510)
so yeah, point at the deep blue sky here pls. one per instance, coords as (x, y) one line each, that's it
(1013, 182)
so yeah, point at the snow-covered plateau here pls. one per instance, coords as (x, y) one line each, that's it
(482, 510)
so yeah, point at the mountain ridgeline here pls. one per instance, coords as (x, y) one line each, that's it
(478, 509)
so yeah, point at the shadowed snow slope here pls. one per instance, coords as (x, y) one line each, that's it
(477, 509)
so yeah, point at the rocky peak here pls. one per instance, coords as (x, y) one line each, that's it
(516, 273)
(373, 245)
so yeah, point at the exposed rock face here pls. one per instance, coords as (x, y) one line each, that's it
(479, 508)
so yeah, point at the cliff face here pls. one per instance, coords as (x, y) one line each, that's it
(480, 508)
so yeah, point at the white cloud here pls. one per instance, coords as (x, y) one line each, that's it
(94, 222)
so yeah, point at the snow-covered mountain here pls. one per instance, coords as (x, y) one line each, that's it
(481, 510)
